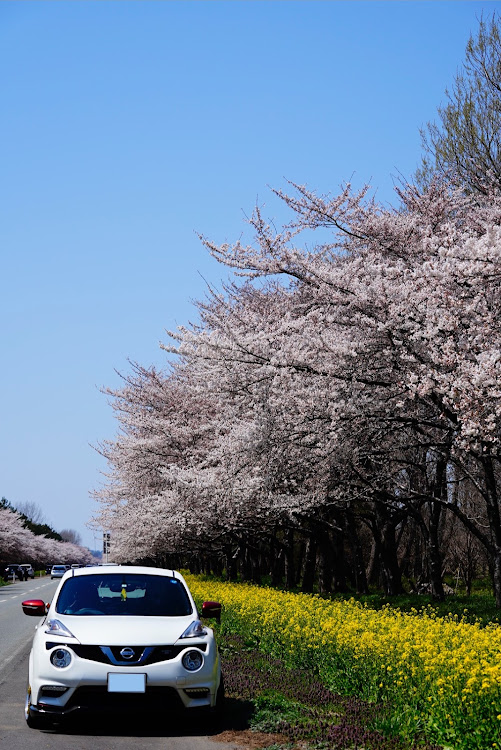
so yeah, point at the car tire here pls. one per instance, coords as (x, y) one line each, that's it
(34, 720)
(217, 711)
(220, 698)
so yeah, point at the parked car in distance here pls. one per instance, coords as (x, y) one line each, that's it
(123, 638)
(58, 571)
(13, 571)
(28, 570)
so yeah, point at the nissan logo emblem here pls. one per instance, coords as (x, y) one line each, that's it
(127, 653)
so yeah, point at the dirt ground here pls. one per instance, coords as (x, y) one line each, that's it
(249, 739)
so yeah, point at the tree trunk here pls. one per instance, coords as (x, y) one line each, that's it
(358, 558)
(434, 554)
(390, 570)
(309, 565)
(290, 574)
(276, 562)
(339, 564)
(372, 571)
(325, 563)
(231, 563)
(384, 535)
(493, 514)
(245, 563)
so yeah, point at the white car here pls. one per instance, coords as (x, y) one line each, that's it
(121, 637)
(58, 571)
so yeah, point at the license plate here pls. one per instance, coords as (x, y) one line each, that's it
(126, 683)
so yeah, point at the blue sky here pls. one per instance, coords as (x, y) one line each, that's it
(128, 127)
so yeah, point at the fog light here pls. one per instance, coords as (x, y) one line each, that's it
(53, 690)
(192, 660)
(60, 658)
(197, 692)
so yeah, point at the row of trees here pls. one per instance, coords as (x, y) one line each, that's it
(23, 540)
(334, 416)
(349, 415)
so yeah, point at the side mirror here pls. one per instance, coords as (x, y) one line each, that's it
(34, 607)
(212, 609)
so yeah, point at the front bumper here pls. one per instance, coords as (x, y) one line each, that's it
(168, 684)
(97, 700)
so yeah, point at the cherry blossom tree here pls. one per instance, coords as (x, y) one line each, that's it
(330, 394)
(413, 304)
(19, 544)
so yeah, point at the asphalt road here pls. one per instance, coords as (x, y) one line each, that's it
(167, 732)
(16, 629)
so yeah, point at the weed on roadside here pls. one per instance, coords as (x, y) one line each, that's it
(296, 706)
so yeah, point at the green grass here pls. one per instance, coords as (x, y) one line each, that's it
(480, 606)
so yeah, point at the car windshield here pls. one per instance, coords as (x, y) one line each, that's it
(124, 594)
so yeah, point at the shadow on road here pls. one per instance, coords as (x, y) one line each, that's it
(235, 717)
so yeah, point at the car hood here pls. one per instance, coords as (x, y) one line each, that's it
(131, 631)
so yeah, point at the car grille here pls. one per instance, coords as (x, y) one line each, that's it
(143, 655)
(98, 698)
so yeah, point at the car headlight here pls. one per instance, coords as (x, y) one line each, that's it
(60, 658)
(194, 630)
(192, 660)
(55, 627)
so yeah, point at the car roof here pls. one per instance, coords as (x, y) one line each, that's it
(111, 569)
